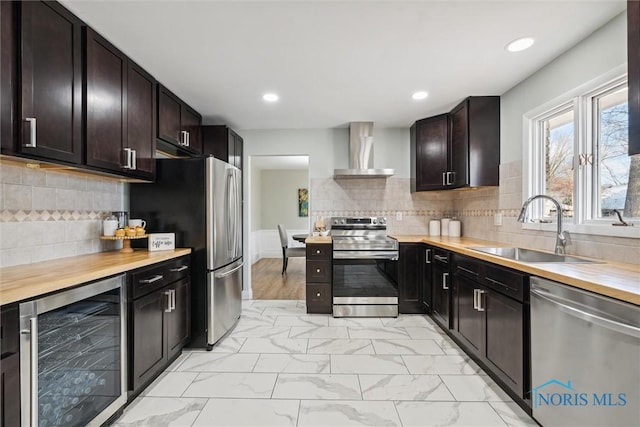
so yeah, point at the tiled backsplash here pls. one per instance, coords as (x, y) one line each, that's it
(474, 207)
(48, 214)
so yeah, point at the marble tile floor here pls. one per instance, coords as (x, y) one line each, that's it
(282, 367)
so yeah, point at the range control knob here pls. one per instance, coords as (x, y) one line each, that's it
(342, 221)
(335, 221)
(382, 220)
(375, 220)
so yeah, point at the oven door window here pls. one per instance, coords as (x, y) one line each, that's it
(79, 360)
(365, 278)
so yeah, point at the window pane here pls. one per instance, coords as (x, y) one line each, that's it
(612, 121)
(558, 151)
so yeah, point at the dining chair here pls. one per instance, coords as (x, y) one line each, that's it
(288, 252)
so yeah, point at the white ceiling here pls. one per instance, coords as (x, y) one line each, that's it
(333, 62)
(280, 162)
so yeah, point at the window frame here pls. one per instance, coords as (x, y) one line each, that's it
(581, 99)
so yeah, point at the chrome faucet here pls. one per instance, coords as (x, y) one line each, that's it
(561, 240)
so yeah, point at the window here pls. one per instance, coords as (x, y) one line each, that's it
(578, 154)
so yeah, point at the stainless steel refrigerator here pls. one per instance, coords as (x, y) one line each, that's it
(200, 200)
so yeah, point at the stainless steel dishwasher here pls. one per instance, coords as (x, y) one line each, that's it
(585, 357)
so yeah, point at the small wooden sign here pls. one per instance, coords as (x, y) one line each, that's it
(162, 242)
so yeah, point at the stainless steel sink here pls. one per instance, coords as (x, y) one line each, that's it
(530, 255)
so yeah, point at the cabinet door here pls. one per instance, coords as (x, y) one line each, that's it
(504, 338)
(430, 139)
(427, 280)
(239, 147)
(148, 337)
(8, 76)
(179, 319)
(169, 111)
(51, 88)
(459, 149)
(106, 103)
(470, 320)
(410, 272)
(441, 291)
(191, 122)
(10, 390)
(141, 119)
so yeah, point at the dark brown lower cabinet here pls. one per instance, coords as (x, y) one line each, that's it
(10, 390)
(179, 319)
(9, 367)
(410, 278)
(160, 319)
(470, 319)
(491, 319)
(441, 288)
(149, 337)
(319, 297)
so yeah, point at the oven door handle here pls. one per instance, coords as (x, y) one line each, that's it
(390, 255)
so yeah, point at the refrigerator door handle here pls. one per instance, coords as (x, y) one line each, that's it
(228, 273)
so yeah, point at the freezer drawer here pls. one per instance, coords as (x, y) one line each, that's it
(585, 357)
(224, 300)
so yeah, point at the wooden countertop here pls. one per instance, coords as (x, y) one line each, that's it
(318, 239)
(27, 281)
(612, 279)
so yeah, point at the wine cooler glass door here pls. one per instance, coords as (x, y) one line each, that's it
(72, 347)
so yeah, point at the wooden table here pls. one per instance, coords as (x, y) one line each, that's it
(300, 237)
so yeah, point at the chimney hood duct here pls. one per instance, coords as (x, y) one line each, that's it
(361, 154)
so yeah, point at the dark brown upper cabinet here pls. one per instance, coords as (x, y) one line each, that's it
(120, 111)
(50, 94)
(458, 149)
(178, 124)
(223, 143)
(633, 46)
(429, 153)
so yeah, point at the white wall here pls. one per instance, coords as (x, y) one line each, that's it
(602, 51)
(255, 201)
(279, 198)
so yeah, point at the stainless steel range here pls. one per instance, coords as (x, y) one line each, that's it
(365, 265)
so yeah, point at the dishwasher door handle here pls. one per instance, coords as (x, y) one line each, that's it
(588, 317)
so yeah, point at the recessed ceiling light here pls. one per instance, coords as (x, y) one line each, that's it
(270, 97)
(419, 95)
(520, 44)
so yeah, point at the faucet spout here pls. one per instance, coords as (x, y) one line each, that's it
(561, 240)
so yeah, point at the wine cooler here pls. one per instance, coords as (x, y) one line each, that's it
(73, 360)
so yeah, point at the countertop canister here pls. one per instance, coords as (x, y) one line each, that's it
(434, 227)
(444, 226)
(454, 228)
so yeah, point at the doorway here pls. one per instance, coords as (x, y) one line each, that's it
(277, 187)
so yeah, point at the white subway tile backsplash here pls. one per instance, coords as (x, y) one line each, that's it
(34, 177)
(9, 235)
(15, 256)
(10, 174)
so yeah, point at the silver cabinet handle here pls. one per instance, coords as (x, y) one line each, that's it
(179, 269)
(445, 277)
(318, 251)
(174, 299)
(32, 132)
(134, 162)
(168, 294)
(427, 256)
(188, 139)
(475, 299)
(183, 137)
(444, 179)
(480, 307)
(152, 279)
(450, 175)
(33, 368)
(317, 294)
(441, 258)
(317, 270)
(466, 270)
(127, 157)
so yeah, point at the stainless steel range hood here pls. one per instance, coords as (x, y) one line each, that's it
(361, 154)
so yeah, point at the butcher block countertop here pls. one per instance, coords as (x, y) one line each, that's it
(612, 279)
(318, 239)
(28, 281)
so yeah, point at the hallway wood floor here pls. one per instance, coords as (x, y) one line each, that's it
(267, 282)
